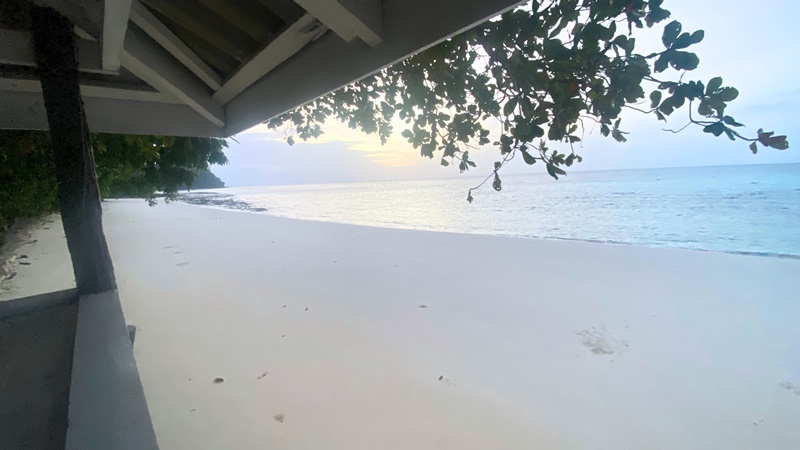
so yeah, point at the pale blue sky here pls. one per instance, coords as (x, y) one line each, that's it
(753, 45)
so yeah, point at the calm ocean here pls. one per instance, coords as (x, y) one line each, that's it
(741, 209)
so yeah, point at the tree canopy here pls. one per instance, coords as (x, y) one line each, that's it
(546, 72)
(127, 166)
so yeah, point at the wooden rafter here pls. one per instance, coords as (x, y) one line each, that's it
(258, 23)
(17, 49)
(206, 25)
(279, 50)
(153, 65)
(287, 10)
(350, 19)
(115, 24)
(145, 20)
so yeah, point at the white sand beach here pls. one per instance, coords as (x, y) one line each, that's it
(333, 336)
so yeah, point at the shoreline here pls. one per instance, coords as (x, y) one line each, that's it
(343, 336)
(266, 212)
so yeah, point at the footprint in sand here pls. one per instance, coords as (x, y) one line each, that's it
(182, 264)
(279, 417)
(600, 342)
(445, 381)
(171, 246)
(791, 387)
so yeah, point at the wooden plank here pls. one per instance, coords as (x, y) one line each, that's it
(17, 49)
(221, 62)
(287, 10)
(249, 17)
(115, 24)
(150, 24)
(88, 90)
(279, 50)
(206, 25)
(350, 19)
(155, 67)
(78, 193)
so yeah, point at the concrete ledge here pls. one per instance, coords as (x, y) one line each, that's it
(13, 307)
(36, 343)
(107, 406)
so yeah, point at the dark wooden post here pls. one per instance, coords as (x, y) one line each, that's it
(78, 193)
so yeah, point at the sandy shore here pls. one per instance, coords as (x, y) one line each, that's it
(344, 337)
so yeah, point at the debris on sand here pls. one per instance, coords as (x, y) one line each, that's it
(218, 380)
(279, 417)
(262, 375)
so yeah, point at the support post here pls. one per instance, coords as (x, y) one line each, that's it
(78, 193)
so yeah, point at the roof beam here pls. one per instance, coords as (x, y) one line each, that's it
(150, 63)
(115, 23)
(87, 15)
(305, 30)
(91, 90)
(150, 24)
(350, 19)
(25, 111)
(17, 49)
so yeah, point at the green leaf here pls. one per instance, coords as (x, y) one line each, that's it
(671, 32)
(445, 162)
(469, 196)
(754, 148)
(730, 121)
(713, 85)
(768, 140)
(555, 171)
(290, 140)
(686, 39)
(684, 61)
(497, 184)
(728, 94)
(655, 99)
(509, 106)
(705, 109)
(661, 63)
(530, 160)
(716, 129)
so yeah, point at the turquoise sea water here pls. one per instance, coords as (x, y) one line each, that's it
(741, 209)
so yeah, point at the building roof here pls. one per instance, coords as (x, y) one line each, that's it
(218, 67)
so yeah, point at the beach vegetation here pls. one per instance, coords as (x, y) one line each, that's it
(532, 83)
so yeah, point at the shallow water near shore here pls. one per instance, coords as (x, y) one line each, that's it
(735, 209)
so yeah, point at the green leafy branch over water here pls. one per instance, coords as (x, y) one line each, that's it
(543, 73)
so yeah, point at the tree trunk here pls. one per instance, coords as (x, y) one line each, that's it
(78, 193)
